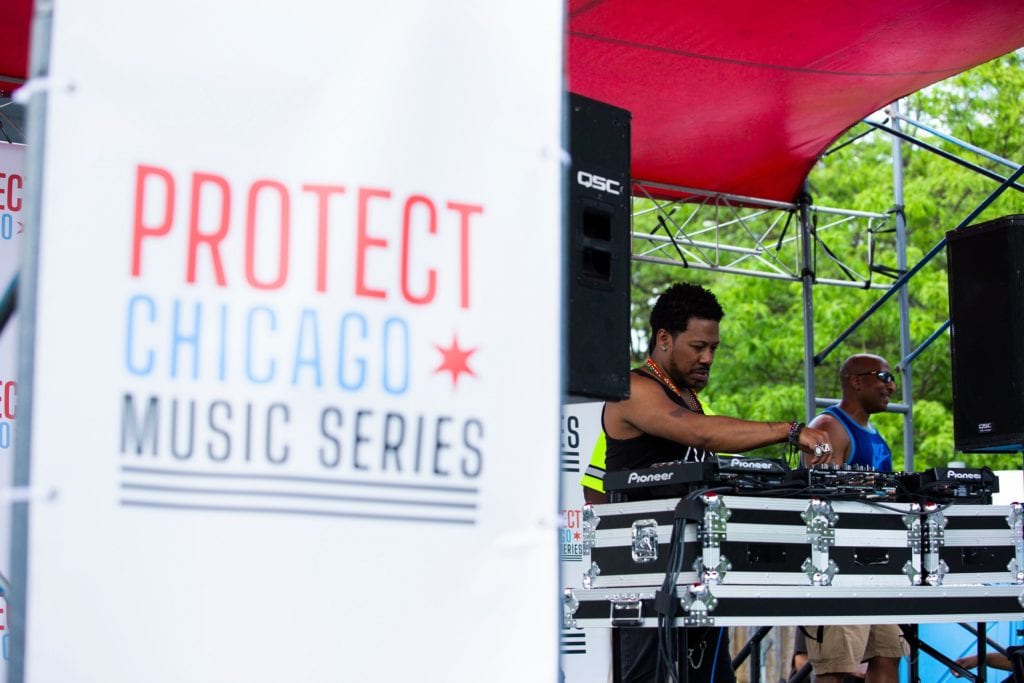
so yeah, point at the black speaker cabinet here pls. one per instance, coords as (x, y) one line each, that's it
(598, 247)
(986, 313)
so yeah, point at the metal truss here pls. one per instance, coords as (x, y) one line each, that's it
(758, 237)
(787, 241)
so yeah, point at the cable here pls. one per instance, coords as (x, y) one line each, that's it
(714, 664)
(665, 603)
(666, 600)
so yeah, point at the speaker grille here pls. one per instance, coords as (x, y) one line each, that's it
(986, 310)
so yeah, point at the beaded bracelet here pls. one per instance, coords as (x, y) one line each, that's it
(794, 432)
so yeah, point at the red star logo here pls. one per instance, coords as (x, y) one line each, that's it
(455, 360)
(575, 535)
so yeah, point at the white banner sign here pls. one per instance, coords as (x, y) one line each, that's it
(586, 652)
(12, 225)
(297, 344)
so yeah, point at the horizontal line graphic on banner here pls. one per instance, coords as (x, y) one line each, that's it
(127, 502)
(156, 471)
(292, 494)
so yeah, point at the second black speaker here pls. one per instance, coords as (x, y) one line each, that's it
(986, 313)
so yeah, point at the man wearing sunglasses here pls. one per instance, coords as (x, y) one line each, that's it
(867, 385)
(838, 651)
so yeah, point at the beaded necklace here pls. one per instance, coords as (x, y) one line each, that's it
(664, 379)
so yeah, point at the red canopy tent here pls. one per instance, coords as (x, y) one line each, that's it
(14, 38)
(742, 97)
(738, 97)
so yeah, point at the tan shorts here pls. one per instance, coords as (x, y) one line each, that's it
(845, 647)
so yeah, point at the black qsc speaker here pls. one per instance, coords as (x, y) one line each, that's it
(598, 249)
(986, 313)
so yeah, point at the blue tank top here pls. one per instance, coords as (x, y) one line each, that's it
(867, 447)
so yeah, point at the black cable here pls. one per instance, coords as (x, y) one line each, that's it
(852, 276)
(785, 228)
(666, 665)
(849, 142)
(664, 226)
(667, 599)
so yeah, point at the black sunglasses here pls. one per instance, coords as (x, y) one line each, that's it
(883, 375)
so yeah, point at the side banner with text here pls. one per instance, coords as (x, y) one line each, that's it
(12, 226)
(586, 652)
(297, 344)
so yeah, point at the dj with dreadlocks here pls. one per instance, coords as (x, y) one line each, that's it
(662, 421)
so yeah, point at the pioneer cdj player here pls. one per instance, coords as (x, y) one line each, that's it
(765, 476)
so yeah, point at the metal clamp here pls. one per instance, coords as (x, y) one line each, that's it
(821, 521)
(570, 603)
(936, 573)
(645, 540)
(698, 602)
(716, 516)
(590, 575)
(934, 529)
(915, 541)
(588, 526)
(712, 575)
(1016, 522)
(935, 569)
(820, 576)
(915, 534)
(913, 573)
(1016, 572)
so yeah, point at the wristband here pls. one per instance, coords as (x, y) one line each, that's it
(794, 432)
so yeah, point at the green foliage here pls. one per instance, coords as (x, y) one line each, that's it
(759, 370)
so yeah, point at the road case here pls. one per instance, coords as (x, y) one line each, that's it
(753, 540)
(969, 544)
(724, 605)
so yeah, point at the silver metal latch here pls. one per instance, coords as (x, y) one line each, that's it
(716, 517)
(820, 576)
(590, 575)
(1016, 522)
(821, 521)
(935, 569)
(912, 573)
(645, 540)
(912, 520)
(713, 575)
(699, 602)
(569, 606)
(588, 526)
(915, 540)
(934, 529)
(627, 610)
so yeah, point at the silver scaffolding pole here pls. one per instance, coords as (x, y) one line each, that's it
(39, 68)
(807, 292)
(903, 296)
